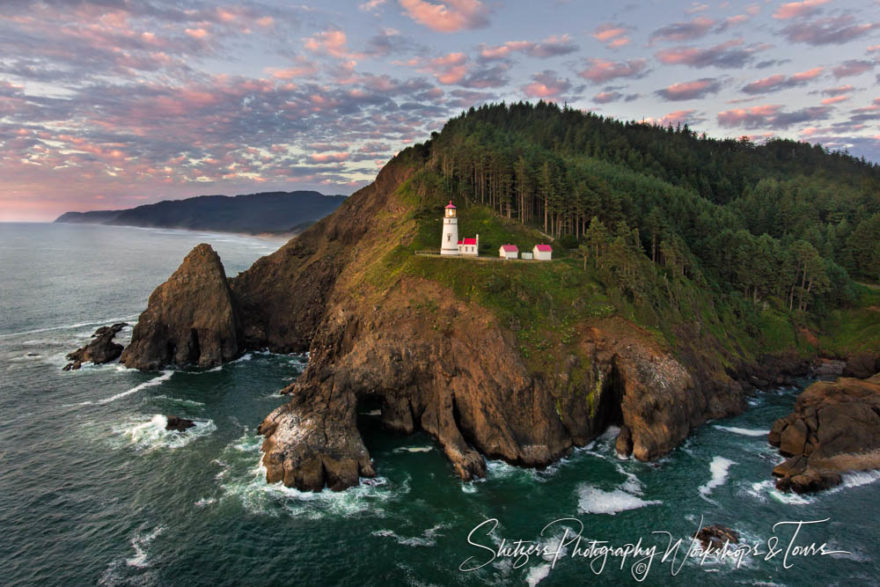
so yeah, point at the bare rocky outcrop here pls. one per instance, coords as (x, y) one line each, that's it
(834, 428)
(190, 319)
(101, 349)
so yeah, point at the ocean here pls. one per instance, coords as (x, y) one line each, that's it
(93, 490)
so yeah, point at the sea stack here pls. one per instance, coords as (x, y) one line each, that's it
(190, 319)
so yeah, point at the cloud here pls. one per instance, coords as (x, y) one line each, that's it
(329, 157)
(332, 42)
(835, 100)
(676, 118)
(798, 9)
(778, 82)
(770, 116)
(838, 90)
(612, 35)
(827, 31)
(690, 90)
(550, 47)
(448, 16)
(853, 67)
(730, 54)
(601, 70)
(546, 85)
(371, 5)
(684, 31)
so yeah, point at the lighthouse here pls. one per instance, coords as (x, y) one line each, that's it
(449, 246)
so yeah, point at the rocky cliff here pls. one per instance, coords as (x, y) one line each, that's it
(433, 360)
(189, 319)
(834, 428)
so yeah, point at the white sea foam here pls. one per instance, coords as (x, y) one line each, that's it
(152, 435)
(205, 501)
(428, 537)
(592, 500)
(372, 413)
(859, 478)
(719, 468)
(165, 376)
(250, 488)
(766, 490)
(178, 401)
(632, 484)
(140, 542)
(756, 432)
(537, 574)
(415, 449)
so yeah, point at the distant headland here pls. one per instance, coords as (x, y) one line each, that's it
(268, 212)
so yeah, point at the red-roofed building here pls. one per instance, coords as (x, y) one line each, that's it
(543, 252)
(469, 246)
(508, 252)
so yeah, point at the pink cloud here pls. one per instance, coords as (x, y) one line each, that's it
(673, 118)
(853, 67)
(684, 31)
(730, 54)
(690, 90)
(333, 43)
(771, 116)
(448, 16)
(549, 47)
(199, 33)
(838, 90)
(778, 82)
(798, 9)
(328, 157)
(602, 70)
(835, 100)
(448, 69)
(546, 85)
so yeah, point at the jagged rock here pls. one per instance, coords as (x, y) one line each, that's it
(624, 444)
(178, 424)
(716, 535)
(190, 319)
(100, 350)
(862, 365)
(834, 428)
(828, 369)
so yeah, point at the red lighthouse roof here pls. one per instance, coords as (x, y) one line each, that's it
(451, 205)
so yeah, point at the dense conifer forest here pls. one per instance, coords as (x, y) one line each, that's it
(785, 223)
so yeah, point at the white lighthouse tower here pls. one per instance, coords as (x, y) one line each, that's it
(449, 246)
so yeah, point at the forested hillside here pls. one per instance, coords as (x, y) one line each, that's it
(782, 220)
(760, 247)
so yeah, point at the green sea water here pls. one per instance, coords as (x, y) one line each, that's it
(93, 490)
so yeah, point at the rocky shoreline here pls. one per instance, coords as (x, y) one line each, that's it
(834, 429)
(451, 371)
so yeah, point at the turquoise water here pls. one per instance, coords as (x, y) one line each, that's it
(93, 490)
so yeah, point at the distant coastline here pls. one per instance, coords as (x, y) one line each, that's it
(270, 214)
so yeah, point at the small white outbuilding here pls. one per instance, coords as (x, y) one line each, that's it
(543, 252)
(508, 252)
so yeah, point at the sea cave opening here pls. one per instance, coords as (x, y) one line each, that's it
(609, 412)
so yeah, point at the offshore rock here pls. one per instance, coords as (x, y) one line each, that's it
(834, 428)
(100, 350)
(178, 424)
(189, 320)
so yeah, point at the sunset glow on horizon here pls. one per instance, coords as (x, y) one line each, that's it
(110, 104)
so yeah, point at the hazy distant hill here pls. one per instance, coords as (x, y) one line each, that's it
(254, 213)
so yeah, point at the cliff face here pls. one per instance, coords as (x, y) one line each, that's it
(189, 319)
(432, 360)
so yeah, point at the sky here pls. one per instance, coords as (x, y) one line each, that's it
(108, 104)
